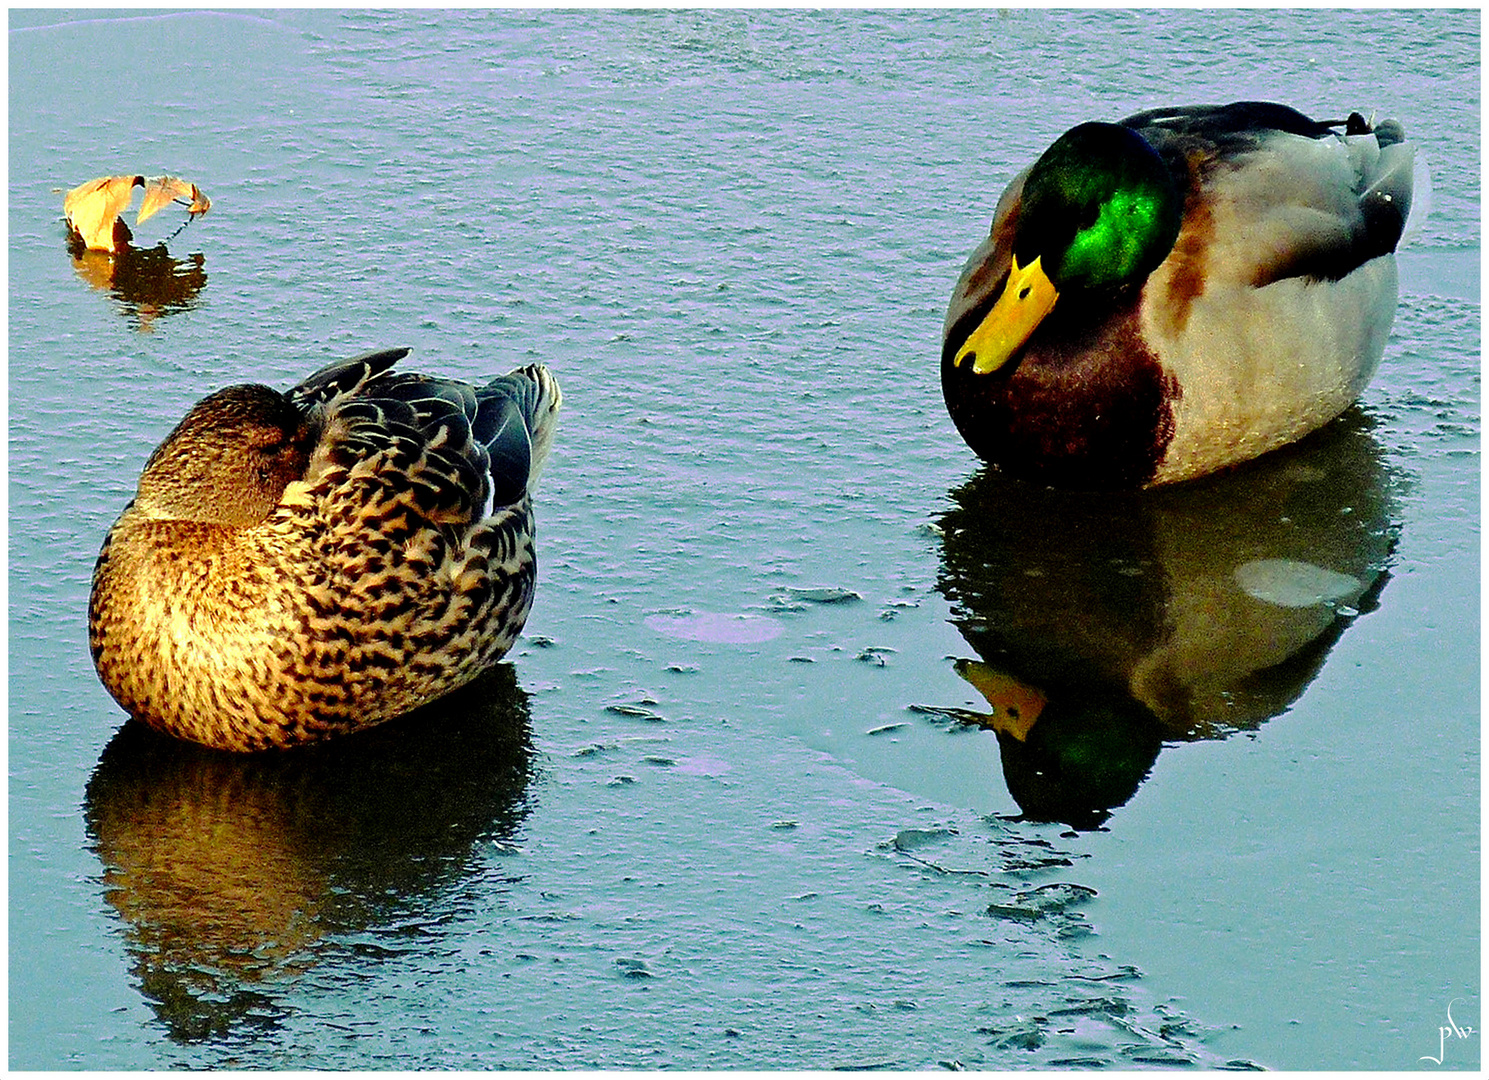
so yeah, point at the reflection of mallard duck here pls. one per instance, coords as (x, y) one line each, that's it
(300, 564)
(234, 873)
(1178, 292)
(1107, 624)
(1072, 758)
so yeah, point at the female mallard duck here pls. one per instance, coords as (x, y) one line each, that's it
(296, 565)
(1177, 293)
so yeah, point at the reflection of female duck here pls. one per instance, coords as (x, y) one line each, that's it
(231, 870)
(1108, 624)
(1178, 292)
(298, 565)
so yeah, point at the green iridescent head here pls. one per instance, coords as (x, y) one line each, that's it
(1100, 209)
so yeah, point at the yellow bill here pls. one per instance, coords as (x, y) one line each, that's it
(1026, 300)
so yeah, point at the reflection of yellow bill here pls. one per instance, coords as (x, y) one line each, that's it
(1015, 705)
(1025, 301)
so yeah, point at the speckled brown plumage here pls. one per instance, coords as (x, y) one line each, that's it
(296, 565)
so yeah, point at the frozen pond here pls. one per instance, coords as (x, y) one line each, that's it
(747, 793)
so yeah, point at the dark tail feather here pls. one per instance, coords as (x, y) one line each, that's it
(501, 428)
(515, 420)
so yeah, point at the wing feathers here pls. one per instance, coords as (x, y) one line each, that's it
(426, 449)
(1296, 199)
(343, 377)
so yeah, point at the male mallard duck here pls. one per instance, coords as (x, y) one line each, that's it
(1179, 292)
(296, 565)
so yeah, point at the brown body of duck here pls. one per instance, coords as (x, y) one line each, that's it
(1176, 293)
(302, 564)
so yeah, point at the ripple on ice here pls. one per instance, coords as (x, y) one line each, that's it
(722, 628)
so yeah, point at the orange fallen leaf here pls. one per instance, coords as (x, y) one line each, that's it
(164, 190)
(94, 209)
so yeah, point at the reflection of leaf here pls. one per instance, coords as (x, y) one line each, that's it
(93, 209)
(147, 283)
